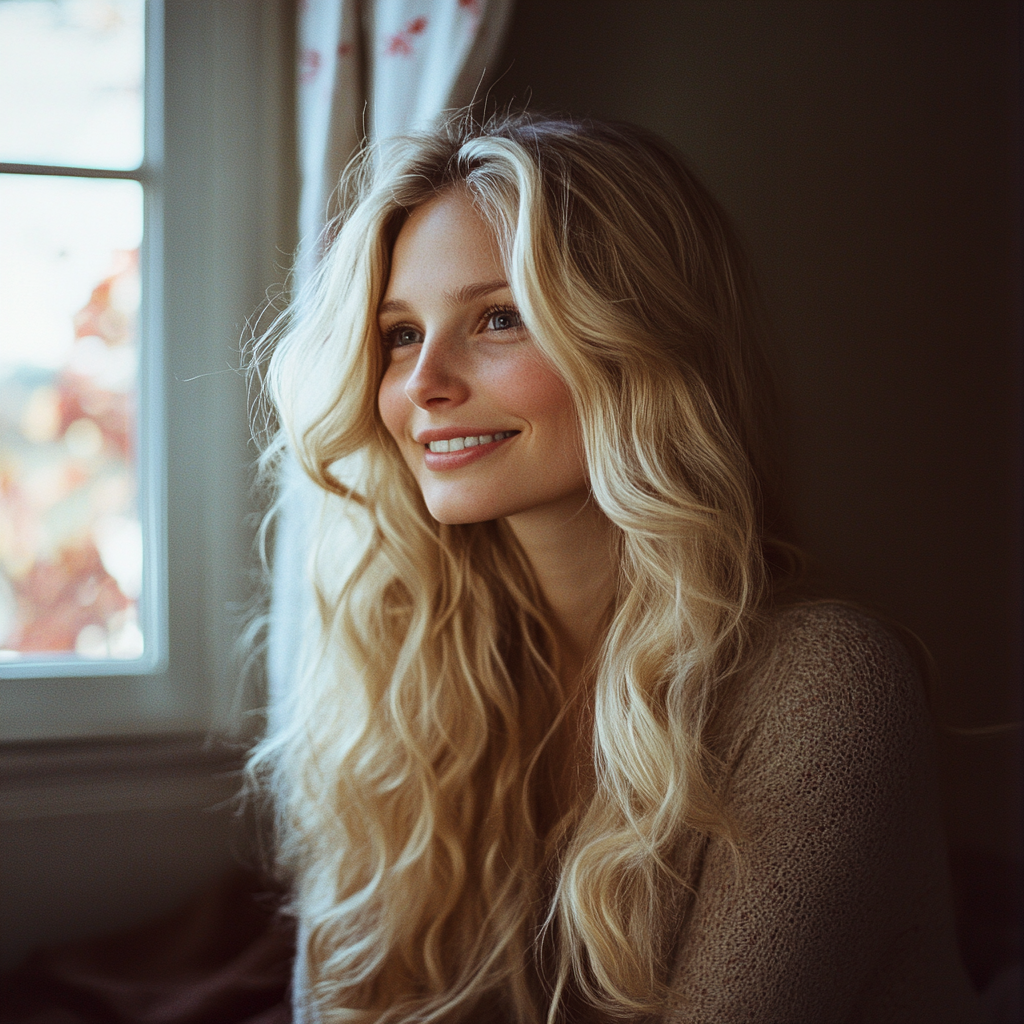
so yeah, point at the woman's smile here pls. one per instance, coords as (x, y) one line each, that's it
(482, 419)
(469, 440)
(463, 449)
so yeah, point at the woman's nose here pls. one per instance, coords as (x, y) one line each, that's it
(438, 377)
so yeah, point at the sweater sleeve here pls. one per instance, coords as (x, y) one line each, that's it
(842, 858)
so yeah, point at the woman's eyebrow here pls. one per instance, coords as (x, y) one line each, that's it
(467, 293)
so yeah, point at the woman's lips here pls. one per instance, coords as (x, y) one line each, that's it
(456, 444)
(457, 459)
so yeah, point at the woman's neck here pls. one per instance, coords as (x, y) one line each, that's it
(572, 549)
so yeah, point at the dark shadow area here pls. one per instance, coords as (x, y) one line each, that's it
(224, 958)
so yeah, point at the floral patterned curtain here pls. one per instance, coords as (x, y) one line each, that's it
(368, 69)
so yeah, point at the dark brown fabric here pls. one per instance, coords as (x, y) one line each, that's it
(224, 958)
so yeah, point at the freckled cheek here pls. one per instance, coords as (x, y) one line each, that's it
(542, 397)
(394, 405)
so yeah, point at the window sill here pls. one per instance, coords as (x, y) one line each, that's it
(43, 780)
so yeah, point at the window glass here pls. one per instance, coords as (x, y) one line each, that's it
(71, 82)
(70, 535)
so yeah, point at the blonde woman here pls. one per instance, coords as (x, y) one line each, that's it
(560, 749)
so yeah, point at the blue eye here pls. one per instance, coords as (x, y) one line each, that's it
(402, 336)
(504, 320)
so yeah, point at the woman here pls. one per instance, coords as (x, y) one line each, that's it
(561, 749)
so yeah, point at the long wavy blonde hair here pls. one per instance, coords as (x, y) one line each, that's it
(408, 774)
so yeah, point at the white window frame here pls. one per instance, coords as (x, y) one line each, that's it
(219, 186)
(150, 440)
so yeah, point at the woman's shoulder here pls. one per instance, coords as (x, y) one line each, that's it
(836, 655)
(835, 687)
(836, 639)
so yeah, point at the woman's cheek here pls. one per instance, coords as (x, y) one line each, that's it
(393, 404)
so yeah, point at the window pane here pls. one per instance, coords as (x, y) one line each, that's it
(71, 82)
(70, 538)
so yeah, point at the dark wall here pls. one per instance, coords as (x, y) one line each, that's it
(868, 153)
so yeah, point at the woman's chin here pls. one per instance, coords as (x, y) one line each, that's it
(461, 506)
(460, 517)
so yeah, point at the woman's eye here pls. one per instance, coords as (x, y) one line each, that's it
(504, 320)
(402, 336)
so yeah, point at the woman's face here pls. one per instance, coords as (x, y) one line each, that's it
(484, 422)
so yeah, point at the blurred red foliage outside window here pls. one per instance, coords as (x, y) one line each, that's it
(70, 541)
(71, 211)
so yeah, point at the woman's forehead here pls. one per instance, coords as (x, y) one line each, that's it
(445, 245)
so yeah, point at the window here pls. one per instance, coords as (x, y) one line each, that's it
(81, 566)
(219, 205)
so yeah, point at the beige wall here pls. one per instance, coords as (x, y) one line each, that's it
(867, 153)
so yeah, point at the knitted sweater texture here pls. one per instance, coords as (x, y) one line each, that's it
(841, 911)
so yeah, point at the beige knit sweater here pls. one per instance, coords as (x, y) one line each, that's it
(843, 911)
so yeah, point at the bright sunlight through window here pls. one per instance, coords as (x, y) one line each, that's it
(73, 562)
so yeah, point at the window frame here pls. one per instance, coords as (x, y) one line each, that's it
(219, 144)
(149, 428)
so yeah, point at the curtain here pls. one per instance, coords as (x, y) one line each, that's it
(367, 69)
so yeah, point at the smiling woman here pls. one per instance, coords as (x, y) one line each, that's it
(565, 745)
(463, 369)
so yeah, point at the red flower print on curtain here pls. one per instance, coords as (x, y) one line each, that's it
(400, 44)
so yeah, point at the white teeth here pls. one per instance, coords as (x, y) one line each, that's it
(456, 444)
